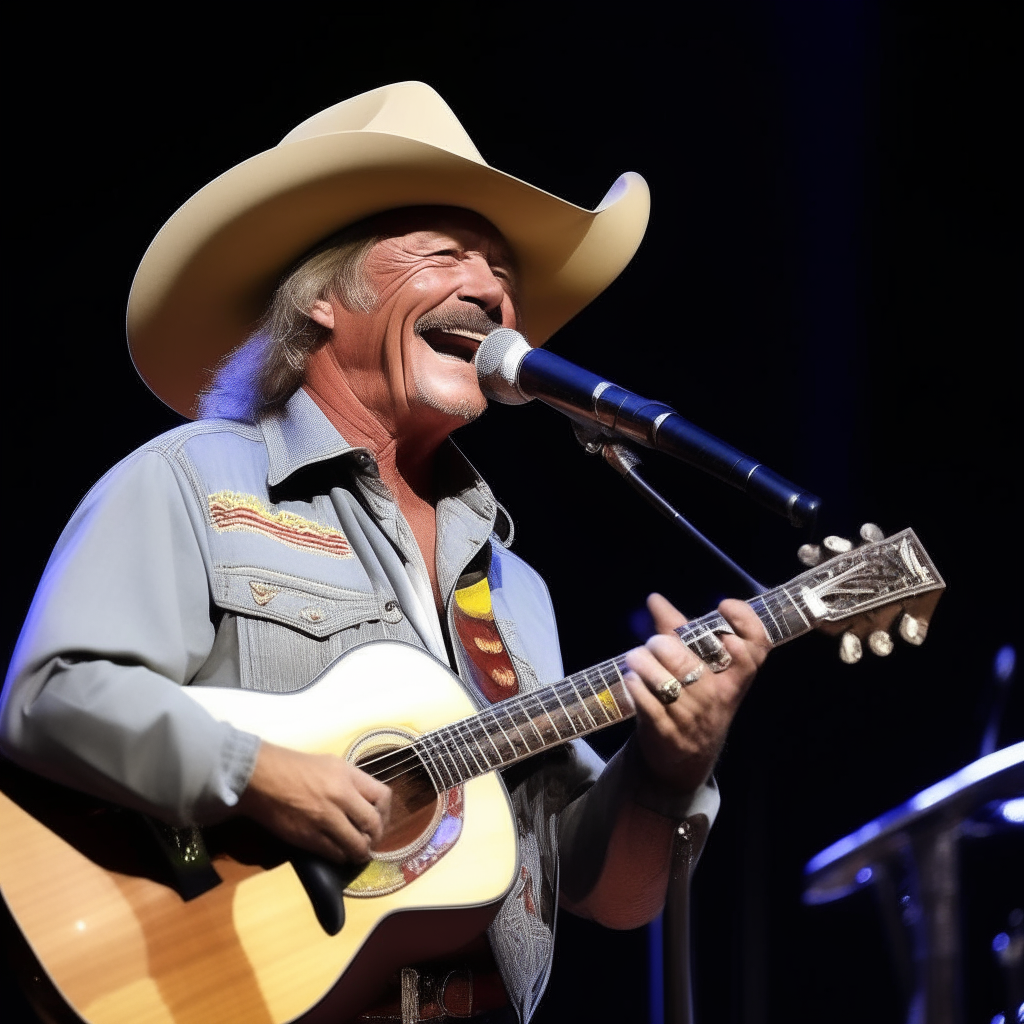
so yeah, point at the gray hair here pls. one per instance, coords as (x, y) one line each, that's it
(257, 378)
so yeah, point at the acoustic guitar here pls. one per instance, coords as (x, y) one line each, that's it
(228, 931)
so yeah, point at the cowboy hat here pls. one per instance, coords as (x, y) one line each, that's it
(207, 277)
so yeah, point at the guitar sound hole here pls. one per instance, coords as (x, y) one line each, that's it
(414, 801)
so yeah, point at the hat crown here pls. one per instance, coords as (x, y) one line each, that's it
(411, 109)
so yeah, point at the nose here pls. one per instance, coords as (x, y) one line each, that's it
(481, 287)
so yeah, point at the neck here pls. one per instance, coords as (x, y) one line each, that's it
(405, 459)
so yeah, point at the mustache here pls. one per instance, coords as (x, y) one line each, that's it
(472, 318)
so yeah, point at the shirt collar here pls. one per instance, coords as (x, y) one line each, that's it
(299, 436)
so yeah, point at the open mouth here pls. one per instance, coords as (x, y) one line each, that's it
(456, 343)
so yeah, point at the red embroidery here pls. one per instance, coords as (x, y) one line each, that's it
(231, 511)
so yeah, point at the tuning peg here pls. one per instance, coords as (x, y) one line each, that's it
(880, 643)
(913, 630)
(834, 545)
(809, 554)
(850, 650)
(871, 533)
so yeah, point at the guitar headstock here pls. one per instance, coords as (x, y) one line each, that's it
(867, 592)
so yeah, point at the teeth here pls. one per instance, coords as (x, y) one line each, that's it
(466, 333)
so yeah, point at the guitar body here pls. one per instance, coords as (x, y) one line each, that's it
(122, 948)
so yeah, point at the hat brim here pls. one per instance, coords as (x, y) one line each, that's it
(208, 275)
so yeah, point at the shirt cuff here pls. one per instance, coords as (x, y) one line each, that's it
(654, 795)
(237, 761)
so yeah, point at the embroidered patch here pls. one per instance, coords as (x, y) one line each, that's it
(489, 662)
(232, 511)
(262, 593)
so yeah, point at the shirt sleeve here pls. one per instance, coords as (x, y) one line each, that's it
(586, 825)
(120, 622)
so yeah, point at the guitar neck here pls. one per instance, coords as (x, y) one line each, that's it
(582, 703)
(852, 583)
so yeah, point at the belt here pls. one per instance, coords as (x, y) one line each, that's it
(460, 987)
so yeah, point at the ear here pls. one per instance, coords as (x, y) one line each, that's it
(323, 313)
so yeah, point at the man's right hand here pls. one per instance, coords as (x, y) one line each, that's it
(317, 801)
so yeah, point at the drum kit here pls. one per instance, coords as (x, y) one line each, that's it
(911, 854)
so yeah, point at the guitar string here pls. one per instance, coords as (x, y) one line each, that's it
(415, 759)
(692, 633)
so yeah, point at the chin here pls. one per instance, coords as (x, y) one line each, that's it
(462, 404)
(459, 398)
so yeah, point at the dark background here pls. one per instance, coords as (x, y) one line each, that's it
(831, 282)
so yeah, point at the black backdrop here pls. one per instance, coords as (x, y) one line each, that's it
(831, 282)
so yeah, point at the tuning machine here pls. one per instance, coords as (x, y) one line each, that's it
(814, 554)
(873, 631)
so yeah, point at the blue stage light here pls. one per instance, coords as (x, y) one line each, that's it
(1013, 811)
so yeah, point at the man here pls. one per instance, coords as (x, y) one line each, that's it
(318, 505)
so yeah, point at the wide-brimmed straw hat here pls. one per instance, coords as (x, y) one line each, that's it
(208, 275)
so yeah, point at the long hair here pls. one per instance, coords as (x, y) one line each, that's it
(257, 378)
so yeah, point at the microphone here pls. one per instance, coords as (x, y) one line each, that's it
(512, 372)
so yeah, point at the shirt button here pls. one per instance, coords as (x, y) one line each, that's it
(392, 611)
(685, 831)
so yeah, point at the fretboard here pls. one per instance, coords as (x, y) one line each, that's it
(585, 702)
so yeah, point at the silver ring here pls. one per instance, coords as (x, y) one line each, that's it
(668, 691)
(691, 677)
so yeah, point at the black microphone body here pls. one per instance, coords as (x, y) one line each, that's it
(511, 371)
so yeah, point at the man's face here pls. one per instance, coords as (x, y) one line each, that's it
(443, 281)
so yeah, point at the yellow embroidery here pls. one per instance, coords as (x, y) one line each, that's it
(488, 646)
(503, 676)
(232, 511)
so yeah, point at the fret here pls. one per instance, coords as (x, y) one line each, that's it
(620, 684)
(443, 779)
(526, 719)
(699, 635)
(554, 728)
(526, 746)
(553, 692)
(455, 743)
(581, 702)
(482, 728)
(532, 722)
(561, 686)
(771, 624)
(796, 605)
(596, 695)
(465, 732)
(605, 694)
(428, 762)
(447, 758)
(511, 745)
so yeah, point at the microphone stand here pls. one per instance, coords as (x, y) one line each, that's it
(675, 931)
(625, 461)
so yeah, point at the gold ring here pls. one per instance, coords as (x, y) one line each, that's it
(669, 690)
(691, 677)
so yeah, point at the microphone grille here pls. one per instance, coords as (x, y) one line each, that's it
(497, 362)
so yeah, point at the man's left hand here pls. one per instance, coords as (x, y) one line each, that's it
(681, 741)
